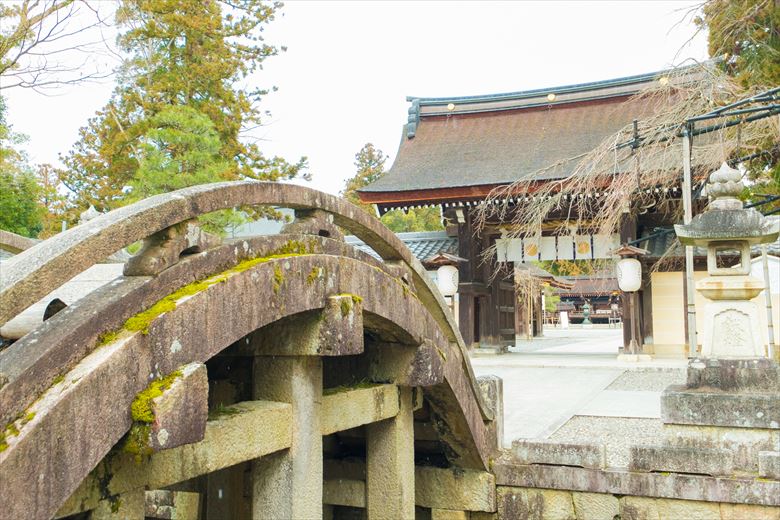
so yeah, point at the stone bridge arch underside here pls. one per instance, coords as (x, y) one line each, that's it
(260, 378)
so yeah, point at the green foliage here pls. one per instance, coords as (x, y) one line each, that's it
(551, 300)
(572, 267)
(176, 117)
(747, 34)
(19, 209)
(370, 164)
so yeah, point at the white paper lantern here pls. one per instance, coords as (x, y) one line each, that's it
(629, 274)
(447, 279)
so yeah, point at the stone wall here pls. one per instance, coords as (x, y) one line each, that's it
(519, 503)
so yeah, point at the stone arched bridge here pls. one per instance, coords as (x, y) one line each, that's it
(292, 376)
(283, 376)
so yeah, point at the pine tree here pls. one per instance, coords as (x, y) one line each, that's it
(370, 164)
(180, 53)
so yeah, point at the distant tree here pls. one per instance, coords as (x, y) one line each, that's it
(746, 35)
(53, 202)
(179, 53)
(38, 36)
(20, 212)
(370, 164)
(551, 300)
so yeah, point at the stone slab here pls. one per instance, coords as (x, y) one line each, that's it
(769, 464)
(547, 452)
(736, 375)
(457, 489)
(654, 485)
(682, 406)
(682, 460)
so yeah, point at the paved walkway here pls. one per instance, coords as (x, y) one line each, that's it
(561, 385)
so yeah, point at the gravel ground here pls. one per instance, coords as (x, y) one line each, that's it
(617, 433)
(651, 380)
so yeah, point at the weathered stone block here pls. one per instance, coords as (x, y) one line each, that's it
(448, 514)
(681, 460)
(769, 464)
(534, 504)
(748, 512)
(180, 413)
(457, 489)
(743, 443)
(546, 452)
(337, 330)
(642, 508)
(595, 506)
(682, 406)
(734, 375)
(405, 365)
(492, 388)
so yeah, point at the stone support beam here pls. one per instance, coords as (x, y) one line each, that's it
(546, 452)
(349, 408)
(390, 464)
(246, 431)
(172, 505)
(288, 484)
(344, 492)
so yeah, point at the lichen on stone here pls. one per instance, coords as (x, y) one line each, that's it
(141, 408)
(278, 278)
(313, 275)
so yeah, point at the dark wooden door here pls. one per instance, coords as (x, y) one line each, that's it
(506, 313)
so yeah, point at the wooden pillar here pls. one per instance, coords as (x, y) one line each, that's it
(466, 275)
(288, 484)
(628, 229)
(390, 464)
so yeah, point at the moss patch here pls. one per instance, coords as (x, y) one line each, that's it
(57, 380)
(313, 275)
(278, 278)
(143, 320)
(137, 441)
(141, 408)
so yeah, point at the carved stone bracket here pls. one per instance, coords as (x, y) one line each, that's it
(314, 222)
(163, 249)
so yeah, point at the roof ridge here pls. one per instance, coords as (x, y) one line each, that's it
(559, 89)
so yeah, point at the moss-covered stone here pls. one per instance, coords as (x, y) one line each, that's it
(141, 408)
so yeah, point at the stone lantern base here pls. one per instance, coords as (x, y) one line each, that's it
(731, 320)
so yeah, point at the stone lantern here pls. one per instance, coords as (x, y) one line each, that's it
(731, 319)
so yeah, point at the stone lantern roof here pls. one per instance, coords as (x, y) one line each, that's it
(725, 218)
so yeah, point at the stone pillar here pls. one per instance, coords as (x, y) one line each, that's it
(390, 464)
(288, 484)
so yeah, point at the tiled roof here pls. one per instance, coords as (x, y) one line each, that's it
(423, 245)
(590, 286)
(502, 147)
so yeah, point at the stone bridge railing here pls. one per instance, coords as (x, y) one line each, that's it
(281, 376)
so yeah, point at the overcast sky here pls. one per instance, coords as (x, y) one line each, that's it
(350, 65)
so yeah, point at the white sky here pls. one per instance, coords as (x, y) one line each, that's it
(350, 65)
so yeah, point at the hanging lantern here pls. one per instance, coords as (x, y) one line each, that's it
(629, 274)
(447, 280)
